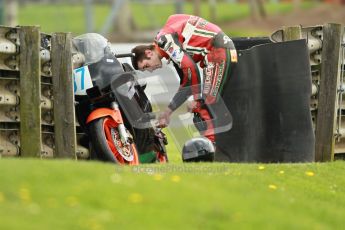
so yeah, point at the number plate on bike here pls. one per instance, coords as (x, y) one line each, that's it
(82, 80)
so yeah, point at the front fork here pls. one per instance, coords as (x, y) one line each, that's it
(122, 129)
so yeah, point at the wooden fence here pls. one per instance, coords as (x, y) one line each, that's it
(37, 104)
(36, 95)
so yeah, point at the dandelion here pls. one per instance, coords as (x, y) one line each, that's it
(261, 167)
(2, 197)
(24, 195)
(237, 216)
(72, 201)
(309, 173)
(96, 226)
(92, 224)
(135, 198)
(272, 187)
(281, 172)
(157, 177)
(175, 179)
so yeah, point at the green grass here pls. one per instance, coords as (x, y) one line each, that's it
(157, 14)
(60, 18)
(55, 194)
(70, 18)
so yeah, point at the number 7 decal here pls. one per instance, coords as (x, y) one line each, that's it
(82, 80)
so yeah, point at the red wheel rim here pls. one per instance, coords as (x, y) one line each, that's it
(112, 137)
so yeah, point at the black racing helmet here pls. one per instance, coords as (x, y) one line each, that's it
(198, 149)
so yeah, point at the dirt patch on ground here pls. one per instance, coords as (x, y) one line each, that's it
(325, 13)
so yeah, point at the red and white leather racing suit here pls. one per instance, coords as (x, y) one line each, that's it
(187, 40)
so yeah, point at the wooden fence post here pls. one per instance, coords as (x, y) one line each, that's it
(64, 115)
(328, 95)
(30, 92)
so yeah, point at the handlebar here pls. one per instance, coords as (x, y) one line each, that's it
(124, 55)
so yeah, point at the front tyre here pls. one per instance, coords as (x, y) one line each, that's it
(106, 142)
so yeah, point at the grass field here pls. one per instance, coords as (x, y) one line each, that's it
(70, 18)
(65, 194)
(56, 194)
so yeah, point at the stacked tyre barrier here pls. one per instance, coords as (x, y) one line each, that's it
(9, 92)
(36, 95)
(326, 44)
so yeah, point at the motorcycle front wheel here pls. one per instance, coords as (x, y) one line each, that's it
(107, 144)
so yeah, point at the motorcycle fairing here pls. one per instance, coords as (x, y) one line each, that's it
(104, 112)
(106, 70)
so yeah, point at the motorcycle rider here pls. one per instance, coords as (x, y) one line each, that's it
(187, 40)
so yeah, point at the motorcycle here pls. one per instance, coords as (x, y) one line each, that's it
(112, 107)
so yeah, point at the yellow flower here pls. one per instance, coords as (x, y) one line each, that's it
(72, 201)
(272, 186)
(2, 197)
(281, 172)
(309, 173)
(175, 179)
(95, 225)
(135, 198)
(237, 216)
(157, 177)
(24, 195)
(261, 167)
(92, 224)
